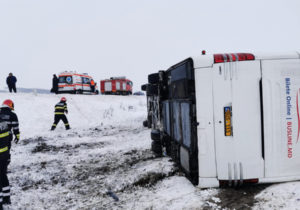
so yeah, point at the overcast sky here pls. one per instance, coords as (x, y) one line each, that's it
(133, 38)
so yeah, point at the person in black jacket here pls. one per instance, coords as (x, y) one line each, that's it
(9, 125)
(55, 84)
(59, 114)
(11, 82)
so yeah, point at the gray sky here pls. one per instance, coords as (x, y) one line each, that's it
(134, 37)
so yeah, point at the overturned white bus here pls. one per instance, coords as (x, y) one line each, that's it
(229, 119)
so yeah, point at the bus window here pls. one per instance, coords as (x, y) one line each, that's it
(176, 122)
(186, 124)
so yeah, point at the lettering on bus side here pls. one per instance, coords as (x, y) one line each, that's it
(289, 119)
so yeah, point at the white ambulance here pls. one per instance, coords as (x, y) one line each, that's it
(72, 82)
(230, 119)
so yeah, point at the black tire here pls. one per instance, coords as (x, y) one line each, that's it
(149, 121)
(153, 78)
(155, 135)
(145, 123)
(144, 87)
(175, 149)
(78, 92)
(166, 141)
(152, 90)
(156, 148)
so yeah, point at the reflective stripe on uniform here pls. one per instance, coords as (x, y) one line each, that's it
(2, 135)
(5, 194)
(5, 188)
(3, 149)
(59, 113)
(67, 124)
(15, 122)
(59, 107)
(18, 136)
(15, 128)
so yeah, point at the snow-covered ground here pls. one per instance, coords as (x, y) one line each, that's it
(107, 154)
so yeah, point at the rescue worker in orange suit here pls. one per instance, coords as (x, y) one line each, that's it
(9, 126)
(59, 113)
(92, 85)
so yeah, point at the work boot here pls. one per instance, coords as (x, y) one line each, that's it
(1, 207)
(6, 201)
(53, 127)
(68, 127)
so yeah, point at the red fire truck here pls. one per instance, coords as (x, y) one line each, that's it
(116, 86)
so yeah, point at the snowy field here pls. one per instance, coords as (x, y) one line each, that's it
(105, 162)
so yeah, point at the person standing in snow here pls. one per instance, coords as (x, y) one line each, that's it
(11, 82)
(59, 113)
(54, 84)
(9, 126)
(92, 85)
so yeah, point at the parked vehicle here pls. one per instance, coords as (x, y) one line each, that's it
(72, 82)
(228, 119)
(116, 86)
(139, 93)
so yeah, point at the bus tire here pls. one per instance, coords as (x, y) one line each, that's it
(156, 148)
(144, 87)
(145, 123)
(152, 90)
(167, 144)
(175, 151)
(155, 135)
(153, 78)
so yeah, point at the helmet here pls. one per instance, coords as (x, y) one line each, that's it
(9, 103)
(63, 99)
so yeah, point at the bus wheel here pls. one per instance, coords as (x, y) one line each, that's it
(155, 135)
(153, 78)
(144, 87)
(156, 147)
(152, 90)
(145, 123)
(167, 144)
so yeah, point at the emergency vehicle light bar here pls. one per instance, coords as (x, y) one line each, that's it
(118, 78)
(68, 72)
(231, 57)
